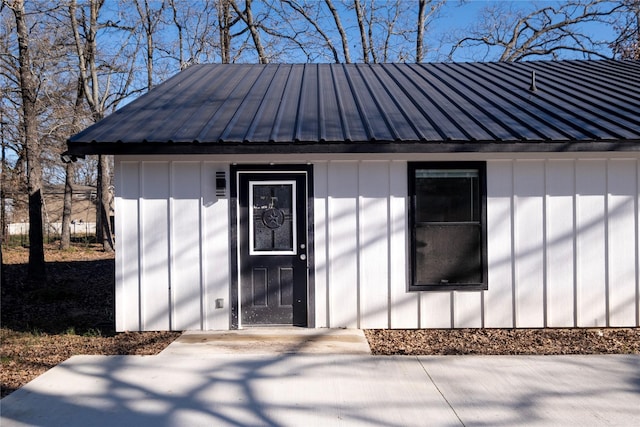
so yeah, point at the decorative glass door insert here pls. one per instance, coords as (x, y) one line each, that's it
(272, 213)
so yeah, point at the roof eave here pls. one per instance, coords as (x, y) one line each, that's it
(80, 149)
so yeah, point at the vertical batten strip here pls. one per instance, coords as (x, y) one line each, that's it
(607, 196)
(389, 231)
(141, 249)
(139, 246)
(575, 244)
(170, 255)
(452, 304)
(514, 288)
(545, 193)
(637, 224)
(204, 295)
(358, 248)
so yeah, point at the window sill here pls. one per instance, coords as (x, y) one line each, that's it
(444, 288)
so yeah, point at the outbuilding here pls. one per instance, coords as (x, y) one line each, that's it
(441, 195)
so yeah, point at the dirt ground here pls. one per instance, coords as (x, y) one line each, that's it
(73, 314)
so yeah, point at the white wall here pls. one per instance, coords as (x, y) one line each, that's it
(562, 250)
(563, 247)
(172, 242)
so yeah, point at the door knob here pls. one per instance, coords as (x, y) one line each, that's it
(303, 257)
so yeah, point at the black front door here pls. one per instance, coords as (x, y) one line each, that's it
(273, 247)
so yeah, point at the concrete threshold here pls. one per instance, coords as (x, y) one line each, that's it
(269, 340)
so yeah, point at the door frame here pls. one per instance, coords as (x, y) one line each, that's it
(234, 245)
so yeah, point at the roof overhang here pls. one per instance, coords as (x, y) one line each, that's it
(82, 149)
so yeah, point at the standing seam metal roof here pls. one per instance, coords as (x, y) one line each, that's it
(578, 105)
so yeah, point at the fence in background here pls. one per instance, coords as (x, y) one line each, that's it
(18, 232)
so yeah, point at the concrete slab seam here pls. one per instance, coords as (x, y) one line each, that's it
(424, 368)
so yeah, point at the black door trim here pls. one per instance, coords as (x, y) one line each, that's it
(233, 231)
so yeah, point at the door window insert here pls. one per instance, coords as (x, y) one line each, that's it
(272, 213)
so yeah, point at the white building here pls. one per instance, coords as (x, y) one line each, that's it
(378, 196)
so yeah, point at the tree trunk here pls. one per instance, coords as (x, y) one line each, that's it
(363, 34)
(28, 85)
(224, 21)
(103, 205)
(3, 175)
(70, 171)
(343, 34)
(422, 5)
(65, 236)
(247, 17)
(172, 3)
(2, 278)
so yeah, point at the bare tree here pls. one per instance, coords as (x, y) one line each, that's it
(100, 96)
(303, 11)
(88, 71)
(340, 28)
(424, 16)
(3, 174)
(627, 44)
(202, 32)
(551, 31)
(225, 22)
(359, 10)
(28, 90)
(70, 172)
(390, 26)
(422, 6)
(149, 20)
(247, 16)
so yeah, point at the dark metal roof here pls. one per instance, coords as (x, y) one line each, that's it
(435, 107)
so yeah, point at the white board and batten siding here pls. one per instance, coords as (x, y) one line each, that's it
(563, 244)
(172, 237)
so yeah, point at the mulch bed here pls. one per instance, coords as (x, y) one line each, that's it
(504, 341)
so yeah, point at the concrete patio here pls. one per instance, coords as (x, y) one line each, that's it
(262, 387)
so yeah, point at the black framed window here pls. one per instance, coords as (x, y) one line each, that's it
(448, 226)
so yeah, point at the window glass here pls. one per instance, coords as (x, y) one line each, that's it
(446, 195)
(448, 243)
(448, 254)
